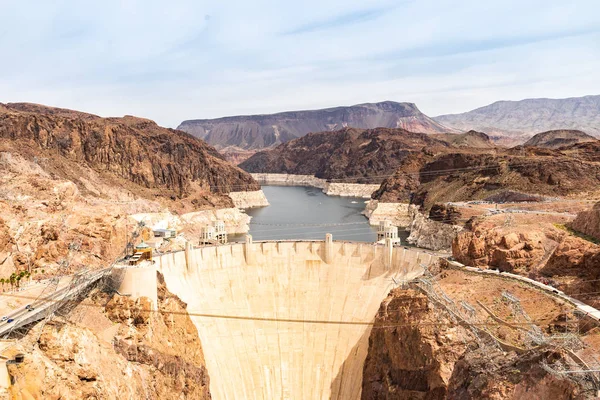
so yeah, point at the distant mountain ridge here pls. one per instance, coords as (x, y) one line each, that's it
(255, 132)
(530, 116)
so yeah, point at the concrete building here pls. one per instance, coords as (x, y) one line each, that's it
(164, 233)
(220, 232)
(387, 231)
(142, 252)
(213, 234)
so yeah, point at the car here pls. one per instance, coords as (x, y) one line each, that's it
(30, 308)
(4, 319)
(8, 321)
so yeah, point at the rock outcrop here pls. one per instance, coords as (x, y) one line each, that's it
(472, 175)
(348, 155)
(541, 252)
(329, 188)
(262, 131)
(430, 234)
(399, 214)
(470, 139)
(245, 200)
(129, 152)
(413, 358)
(559, 138)
(113, 348)
(588, 222)
(416, 351)
(506, 251)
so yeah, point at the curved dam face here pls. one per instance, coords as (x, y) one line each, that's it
(287, 320)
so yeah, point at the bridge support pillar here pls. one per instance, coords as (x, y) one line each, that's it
(329, 248)
(249, 250)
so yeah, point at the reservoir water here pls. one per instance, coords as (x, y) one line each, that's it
(307, 213)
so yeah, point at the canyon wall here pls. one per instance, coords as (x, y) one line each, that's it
(113, 347)
(350, 189)
(329, 188)
(588, 222)
(289, 180)
(398, 213)
(417, 351)
(251, 199)
(429, 234)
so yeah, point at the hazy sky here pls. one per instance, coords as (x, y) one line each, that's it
(177, 60)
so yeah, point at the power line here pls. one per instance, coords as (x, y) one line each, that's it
(418, 173)
(290, 320)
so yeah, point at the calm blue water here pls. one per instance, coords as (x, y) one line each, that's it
(300, 213)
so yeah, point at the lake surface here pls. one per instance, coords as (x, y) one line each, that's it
(307, 213)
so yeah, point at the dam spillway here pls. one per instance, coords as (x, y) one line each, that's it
(271, 312)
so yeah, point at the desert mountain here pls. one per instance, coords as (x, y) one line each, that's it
(129, 153)
(360, 155)
(527, 117)
(261, 131)
(559, 138)
(471, 139)
(518, 174)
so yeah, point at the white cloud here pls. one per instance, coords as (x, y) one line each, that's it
(172, 63)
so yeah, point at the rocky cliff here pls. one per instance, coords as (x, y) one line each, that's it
(429, 234)
(129, 152)
(588, 222)
(251, 199)
(559, 138)
(530, 116)
(470, 139)
(349, 155)
(533, 246)
(112, 347)
(418, 351)
(472, 175)
(262, 131)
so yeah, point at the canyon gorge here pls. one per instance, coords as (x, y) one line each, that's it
(311, 318)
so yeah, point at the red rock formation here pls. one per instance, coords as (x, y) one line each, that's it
(114, 348)
(347, 153)
(417, 352)
(134, 149)
(588, 222)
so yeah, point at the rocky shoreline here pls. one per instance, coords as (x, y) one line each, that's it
(329, 188)
(398, 214)
(251, 199)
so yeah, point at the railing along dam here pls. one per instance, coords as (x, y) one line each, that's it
(305, 311)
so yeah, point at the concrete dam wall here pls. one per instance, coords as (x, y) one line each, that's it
(287, 320)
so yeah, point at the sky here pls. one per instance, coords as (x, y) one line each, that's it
(177, 60)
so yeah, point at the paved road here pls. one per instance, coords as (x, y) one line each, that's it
(584, 308)
(42, 297)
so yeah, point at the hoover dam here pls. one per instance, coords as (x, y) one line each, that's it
(287, 319)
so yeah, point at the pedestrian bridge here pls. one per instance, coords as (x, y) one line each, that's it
(287, 319)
